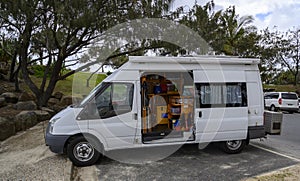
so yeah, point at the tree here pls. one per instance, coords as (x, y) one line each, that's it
(206, 22)
(282, 49)
(225, 31)
(61, 29)
(235, 30)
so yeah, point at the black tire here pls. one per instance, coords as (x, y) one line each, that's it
(82, 152)
(273, 108)
(233, 147)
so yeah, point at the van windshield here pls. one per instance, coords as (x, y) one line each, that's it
(91, 94)
(289, 96)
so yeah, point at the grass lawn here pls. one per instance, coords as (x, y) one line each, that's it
(74, 84)
(283, 88)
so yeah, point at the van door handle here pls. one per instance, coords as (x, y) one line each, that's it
(200, 114)
(135, 116)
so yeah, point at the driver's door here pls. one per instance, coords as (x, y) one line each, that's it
(116, 122)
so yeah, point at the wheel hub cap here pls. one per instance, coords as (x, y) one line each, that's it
(234, 145)
(83, 151)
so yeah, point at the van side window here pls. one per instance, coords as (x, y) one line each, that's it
(221, 95)
(115, 100)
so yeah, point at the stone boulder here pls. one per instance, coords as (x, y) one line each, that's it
(2, 90)
(25, 96)
(50, 111)
(25, 120)
(2, 77)
(28, 105)
(58, 95)
(42, 115)
(56, 108)
(7, 128)
(2, 102)
(53, 101)
(10, 97)
(68, 100)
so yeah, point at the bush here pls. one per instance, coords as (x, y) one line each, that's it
(39, 70)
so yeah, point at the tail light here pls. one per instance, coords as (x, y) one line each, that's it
(280, 101)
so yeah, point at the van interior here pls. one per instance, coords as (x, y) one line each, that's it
(167, 107)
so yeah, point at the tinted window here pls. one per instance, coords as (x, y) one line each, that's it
(274, 96)
(267, 97)
(289, 96)
(221, 95)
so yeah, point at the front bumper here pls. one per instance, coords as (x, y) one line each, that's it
(56, 143)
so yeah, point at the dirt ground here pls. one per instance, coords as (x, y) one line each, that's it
(26, 157)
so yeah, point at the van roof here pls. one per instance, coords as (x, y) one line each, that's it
(194, 59)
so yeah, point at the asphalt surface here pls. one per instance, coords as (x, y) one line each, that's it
(190, 163)
(288, 142)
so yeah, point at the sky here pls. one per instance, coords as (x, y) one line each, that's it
(281, 14)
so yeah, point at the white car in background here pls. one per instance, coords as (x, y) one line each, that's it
(299, 104)
(284, 101)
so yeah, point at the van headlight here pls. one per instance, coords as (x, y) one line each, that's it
(51, 124)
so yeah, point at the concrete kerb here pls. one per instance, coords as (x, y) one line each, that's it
(287, 173)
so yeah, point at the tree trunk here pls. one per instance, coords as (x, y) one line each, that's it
(42, 100)
(16, 75)
(296, 79)
(12, 73)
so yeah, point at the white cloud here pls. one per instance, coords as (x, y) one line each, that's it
(281, 13)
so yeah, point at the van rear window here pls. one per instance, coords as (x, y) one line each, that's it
(221, 95)
(289, 96)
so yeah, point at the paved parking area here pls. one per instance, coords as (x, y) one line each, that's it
(190, 163)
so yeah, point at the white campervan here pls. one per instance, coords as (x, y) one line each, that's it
(155, 101)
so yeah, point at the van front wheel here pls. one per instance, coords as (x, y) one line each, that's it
(233, 146)
(81, 152)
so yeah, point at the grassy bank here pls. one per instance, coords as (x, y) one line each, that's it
(282, 88)
(74, 84)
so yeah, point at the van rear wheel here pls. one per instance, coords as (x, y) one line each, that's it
(233, 146)
(82, 152)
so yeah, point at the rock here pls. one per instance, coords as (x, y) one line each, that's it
(3, 71)
(25, 120)
(58, 95)
(25, 96)
(2, 90)
(53, 101)
(9, 106)
(2, 102)
(7, 128)
(42, 115)
(2, 77)
(10, 97)
(68, 100)
(28, 105)
(56, 108)
(50, 111)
